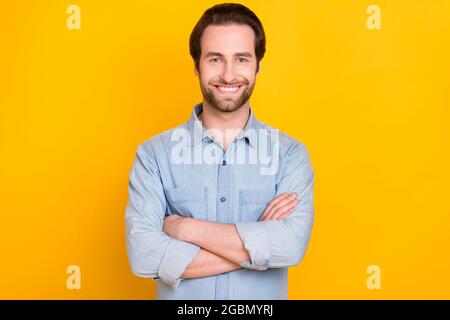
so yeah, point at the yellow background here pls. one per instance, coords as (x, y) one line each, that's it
(372, 106)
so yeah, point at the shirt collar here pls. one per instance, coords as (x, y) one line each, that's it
(199, 133)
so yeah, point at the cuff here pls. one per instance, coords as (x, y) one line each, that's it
(254, 237)
(176, 259)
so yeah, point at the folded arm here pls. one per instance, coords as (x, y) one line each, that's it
(208, 264)
(270, 243)
(216, 248)
(218, 238)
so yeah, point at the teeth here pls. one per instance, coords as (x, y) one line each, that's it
(228, 89)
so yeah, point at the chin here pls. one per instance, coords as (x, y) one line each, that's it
(228, 107)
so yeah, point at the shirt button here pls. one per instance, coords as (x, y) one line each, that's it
(222, 199)
(224, 162)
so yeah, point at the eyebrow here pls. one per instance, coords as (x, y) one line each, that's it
(238, 54)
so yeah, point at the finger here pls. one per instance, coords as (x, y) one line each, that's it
(278, 212)
(280, 204)
(277, 199)
(285, 211)
(273, 202)
(280, 199)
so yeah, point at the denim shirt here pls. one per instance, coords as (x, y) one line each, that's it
(185, 171)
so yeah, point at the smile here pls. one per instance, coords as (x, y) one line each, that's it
(227, 89)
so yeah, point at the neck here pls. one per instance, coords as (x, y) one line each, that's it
(224, 125)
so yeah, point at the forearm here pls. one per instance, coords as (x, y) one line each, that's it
(208, 264)
(218, 238)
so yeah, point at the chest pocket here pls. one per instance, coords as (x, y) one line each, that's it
(252, 203)
(188, 201)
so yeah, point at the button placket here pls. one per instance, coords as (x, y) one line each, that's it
(223, 216)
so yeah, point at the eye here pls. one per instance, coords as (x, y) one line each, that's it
(214, 60)
(242, 60)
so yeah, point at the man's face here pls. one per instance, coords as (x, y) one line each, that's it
(227, 66)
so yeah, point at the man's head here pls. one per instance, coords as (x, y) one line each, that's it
(227, 45)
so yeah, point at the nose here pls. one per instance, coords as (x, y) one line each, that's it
(228, 72)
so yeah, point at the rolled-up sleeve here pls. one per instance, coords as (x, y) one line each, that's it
(151, 252)
(283, 243)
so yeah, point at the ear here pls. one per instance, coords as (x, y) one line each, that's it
(258, 68)
(195, 70)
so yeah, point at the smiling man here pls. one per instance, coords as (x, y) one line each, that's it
(220, 206)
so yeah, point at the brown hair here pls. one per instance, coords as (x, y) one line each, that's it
(226, 14)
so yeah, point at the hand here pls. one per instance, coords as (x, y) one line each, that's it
(173, 226)
(280, 207)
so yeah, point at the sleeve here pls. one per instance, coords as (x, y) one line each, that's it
(283, 243)
(151, 252)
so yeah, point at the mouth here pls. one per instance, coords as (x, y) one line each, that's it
(227, 90)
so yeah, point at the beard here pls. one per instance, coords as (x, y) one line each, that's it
(227, 103)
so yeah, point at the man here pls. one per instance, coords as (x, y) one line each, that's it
(220, 206)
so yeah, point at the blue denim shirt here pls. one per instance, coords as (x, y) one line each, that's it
(185, 171)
